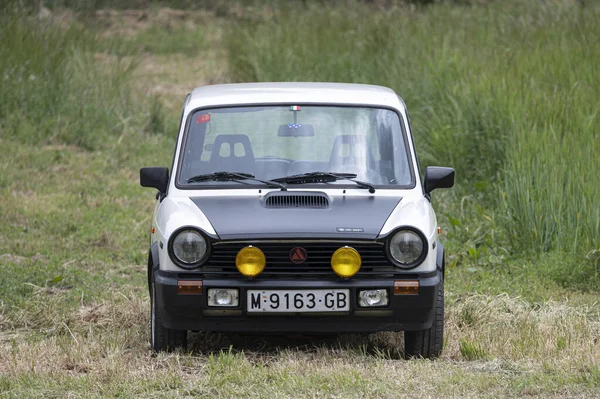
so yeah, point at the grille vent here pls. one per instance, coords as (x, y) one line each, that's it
(297, 200)
(318, 262)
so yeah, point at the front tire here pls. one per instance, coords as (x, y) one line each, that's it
(428, 343)
(162, 338)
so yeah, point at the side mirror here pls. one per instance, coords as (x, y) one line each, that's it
(157, 177)
(438, 177)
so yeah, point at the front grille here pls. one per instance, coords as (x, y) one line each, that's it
(317, 264)
(297, 200)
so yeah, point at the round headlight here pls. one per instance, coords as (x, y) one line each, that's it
(346, 262)
(189, 247)
(250, 261)
(407, 247)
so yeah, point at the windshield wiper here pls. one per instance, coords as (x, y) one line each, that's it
(233, 176)
(323, 177)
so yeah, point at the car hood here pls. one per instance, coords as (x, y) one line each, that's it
(247, 217)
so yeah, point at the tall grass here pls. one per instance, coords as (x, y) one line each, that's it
(506, 92)
(57, 89)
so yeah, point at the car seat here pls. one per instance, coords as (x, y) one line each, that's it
(351, 154)
(231, 162)
(350, 150)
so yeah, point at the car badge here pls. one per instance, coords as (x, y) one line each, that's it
(298, 255)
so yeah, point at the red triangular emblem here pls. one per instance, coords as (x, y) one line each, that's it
(297, 255)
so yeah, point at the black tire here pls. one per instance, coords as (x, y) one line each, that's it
(150, 274)
(428, 343)
(162, 338)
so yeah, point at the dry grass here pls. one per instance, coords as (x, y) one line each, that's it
(550, 350)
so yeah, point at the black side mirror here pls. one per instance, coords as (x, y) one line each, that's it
(157, 177)
(438, 177)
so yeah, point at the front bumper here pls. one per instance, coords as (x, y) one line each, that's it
(191, 312)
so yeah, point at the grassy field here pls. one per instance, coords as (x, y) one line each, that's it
(506, 92)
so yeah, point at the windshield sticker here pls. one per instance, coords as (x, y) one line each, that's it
(203, 118)
(295, 108)
(349, 230)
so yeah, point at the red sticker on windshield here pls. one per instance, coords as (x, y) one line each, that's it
(203, 118)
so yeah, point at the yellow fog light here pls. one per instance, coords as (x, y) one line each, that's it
(250, 261)
(346, 262)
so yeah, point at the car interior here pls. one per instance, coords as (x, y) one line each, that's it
(234, 153)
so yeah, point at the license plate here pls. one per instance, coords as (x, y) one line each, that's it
(298, 301)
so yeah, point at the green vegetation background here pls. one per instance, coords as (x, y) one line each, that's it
(506, 92)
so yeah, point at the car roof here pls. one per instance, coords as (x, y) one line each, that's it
(293, 92)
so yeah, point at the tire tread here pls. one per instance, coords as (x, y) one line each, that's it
(428, 343)
(165, 339)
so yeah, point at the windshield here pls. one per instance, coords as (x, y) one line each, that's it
(273, 142)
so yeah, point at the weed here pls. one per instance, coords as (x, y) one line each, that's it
(472, 350)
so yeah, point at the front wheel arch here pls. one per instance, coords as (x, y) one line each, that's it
(153, 264)
(440, 261)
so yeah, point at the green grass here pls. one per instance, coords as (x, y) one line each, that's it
(505, 92)
(171, 39)
(472, 350)
(158, 39)
(58, 90)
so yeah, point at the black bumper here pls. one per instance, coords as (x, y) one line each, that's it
(191, 312)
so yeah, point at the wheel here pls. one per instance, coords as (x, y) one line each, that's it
(162, 338)
(428, 343)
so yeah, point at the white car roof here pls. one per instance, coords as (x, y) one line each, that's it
(293, 92)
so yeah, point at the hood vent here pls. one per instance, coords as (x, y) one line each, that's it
(307, 200)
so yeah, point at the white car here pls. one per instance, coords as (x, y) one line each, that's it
(296, 208)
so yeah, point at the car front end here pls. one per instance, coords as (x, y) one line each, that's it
(309, 278)
(296, 208)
